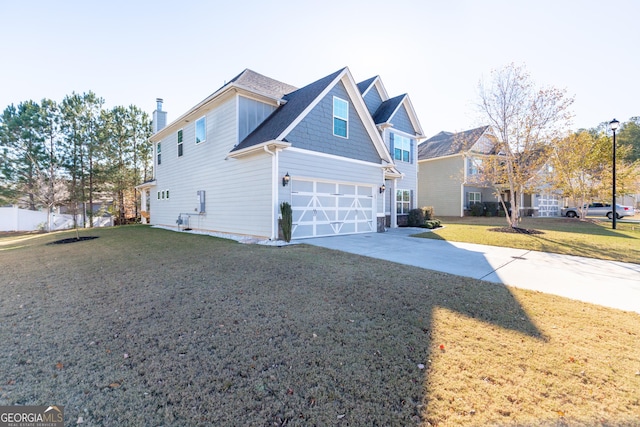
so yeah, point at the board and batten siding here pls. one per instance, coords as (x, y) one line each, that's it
(237, 191)
(440, 185)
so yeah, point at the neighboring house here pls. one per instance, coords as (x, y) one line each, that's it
(544, 201)
(448, 163)
(342, 154)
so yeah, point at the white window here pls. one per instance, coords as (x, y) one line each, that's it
(401, 148)
(403, 201)
(158, 152)
(340, 117)
(473, 197)
(180, 143)
(474, 166)
(201, 130)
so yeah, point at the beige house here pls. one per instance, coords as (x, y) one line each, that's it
(447, 163)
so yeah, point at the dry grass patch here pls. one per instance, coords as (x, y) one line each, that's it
(580, 372)
(150, 327)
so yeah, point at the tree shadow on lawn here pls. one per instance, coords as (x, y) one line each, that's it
(206, 331)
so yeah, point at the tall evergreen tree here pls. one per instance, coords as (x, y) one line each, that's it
(24, 152)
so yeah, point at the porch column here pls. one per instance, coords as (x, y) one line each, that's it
(393, 205)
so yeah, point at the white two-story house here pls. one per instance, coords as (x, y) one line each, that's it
(342, 154)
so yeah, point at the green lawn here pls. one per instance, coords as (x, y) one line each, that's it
(591, 238)
(144, 326)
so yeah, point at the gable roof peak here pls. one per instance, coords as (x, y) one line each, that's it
(262, 84)
(449, 143)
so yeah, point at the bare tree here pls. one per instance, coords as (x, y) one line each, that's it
(525, 120)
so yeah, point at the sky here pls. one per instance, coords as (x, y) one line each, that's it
(132, 52)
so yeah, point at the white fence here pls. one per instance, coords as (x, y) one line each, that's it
(16, 219)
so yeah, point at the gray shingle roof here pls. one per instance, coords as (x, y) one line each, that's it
(281, 118)
(364, 85)
(386, 109)
(262, 84)
(449, 143)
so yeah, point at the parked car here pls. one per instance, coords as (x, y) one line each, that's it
(600, 209)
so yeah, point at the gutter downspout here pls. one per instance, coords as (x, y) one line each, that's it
(464, 180)
(274, 189)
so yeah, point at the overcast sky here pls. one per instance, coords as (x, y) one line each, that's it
(131, 52)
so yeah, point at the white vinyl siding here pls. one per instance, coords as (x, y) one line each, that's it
(238, 191)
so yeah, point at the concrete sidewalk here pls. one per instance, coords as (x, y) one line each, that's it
(608, 283)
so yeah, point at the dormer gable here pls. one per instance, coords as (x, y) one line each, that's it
(300, 103)
(398, 113)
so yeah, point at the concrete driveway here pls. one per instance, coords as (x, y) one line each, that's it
(608, 283)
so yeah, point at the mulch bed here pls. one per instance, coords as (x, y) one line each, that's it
(73, 240)
(516, 230)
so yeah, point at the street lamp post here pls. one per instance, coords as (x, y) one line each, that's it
(613, 125)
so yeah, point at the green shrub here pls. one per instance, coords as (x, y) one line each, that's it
(432, 223)
(428, 212)
(415, 218)
(476, 209)
(286, 223)
(491, 208)
(501, 212)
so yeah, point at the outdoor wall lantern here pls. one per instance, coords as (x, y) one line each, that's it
(614, 125)
(286, 179)
(382, 188)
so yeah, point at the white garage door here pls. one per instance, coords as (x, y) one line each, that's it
(549, 205)
(330, 208)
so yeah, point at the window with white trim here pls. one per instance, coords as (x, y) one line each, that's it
(473, 197)
(180, 143)
(201, 130)
(474, 165)
(340, 117)
(158, 153)
(401, 148)
(403, 201)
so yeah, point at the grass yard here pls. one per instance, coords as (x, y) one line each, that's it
(591, 238)
(144, 326)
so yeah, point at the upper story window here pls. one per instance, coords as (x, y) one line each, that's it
(158, 153)
(401, 148)
(180, 143)
(201, 130)
(340, 117)
(474, 165)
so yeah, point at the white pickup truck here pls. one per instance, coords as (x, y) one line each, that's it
(600, 209)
